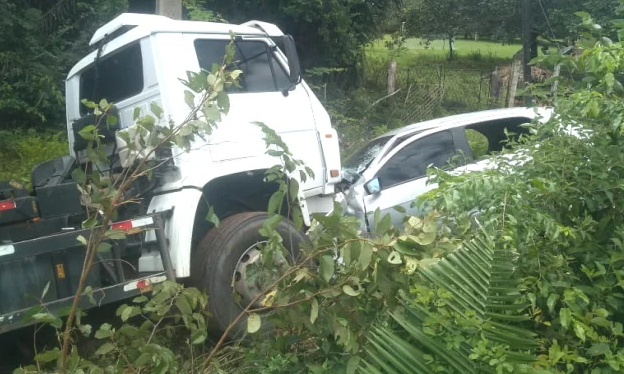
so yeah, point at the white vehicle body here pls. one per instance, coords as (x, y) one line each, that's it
(390, 170)
(155, 53)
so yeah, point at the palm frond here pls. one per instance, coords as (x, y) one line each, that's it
(474, 282)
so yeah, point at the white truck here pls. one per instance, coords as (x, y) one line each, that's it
(138, 60)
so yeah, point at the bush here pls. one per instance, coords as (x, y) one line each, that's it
(21, 150)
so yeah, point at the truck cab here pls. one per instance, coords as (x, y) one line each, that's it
(139, 61)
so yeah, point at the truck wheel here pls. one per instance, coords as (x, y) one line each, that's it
(221, 261)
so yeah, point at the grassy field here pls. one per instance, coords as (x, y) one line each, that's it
(468, 53)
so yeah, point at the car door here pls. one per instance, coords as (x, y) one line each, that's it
(401, 175)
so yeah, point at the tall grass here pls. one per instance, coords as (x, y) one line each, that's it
(21, 150)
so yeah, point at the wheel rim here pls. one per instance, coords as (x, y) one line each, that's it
(246, 289)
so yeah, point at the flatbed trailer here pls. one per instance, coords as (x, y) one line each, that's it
(54, 262)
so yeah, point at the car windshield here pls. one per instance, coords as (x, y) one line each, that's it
(355, 164)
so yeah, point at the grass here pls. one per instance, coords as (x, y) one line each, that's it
(21, 150)
(468, 53)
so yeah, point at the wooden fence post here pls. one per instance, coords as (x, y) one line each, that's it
(516, 70)
(392, 77)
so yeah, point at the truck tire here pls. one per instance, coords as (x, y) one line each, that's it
(220, 262)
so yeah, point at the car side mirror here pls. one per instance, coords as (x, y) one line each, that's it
(290, 49)
(373, 186)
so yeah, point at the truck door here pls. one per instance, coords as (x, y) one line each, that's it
(263, 96)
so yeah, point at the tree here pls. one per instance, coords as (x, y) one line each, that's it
(329, 33)
(553, 20)
(435, 19)
(40, 41)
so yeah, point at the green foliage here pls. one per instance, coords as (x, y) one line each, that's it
(21, 150)
(458, 319)
(153, 334)
(38, 51)
(328, 33)
(561, 211)
(553, 20)
(534, 289)
(417, 52)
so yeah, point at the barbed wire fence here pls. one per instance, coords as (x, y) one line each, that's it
(428, 90)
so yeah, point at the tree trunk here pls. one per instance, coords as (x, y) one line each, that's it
(392, 77)
(516, 71)
(169, 8)
(533, 42)
(451, 47)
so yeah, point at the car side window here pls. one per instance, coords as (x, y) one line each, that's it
(412, 161)
(485, 138)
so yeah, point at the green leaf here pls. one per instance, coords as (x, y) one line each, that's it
(212, 217)
(366, 255)
(212, 112)
(88, 132)
(314, 311)
(45, 290)
(82, 240)
(104, 247)
(275, 202)
(156, 109)
(579, 330)
(253, 323)
(184, 306)
(223, 100)
(189, 99)
(297, 217)
(353, 364)
(89, 223)
(395, 258)
(48, 356)
(400, 209)
(104, 331)
(111, 121)
(598, 349)
(79, 176)
(552, 299)
(143, 359)
(136, 114)
(198, 337)
(115, 234)
(327, 267)
(85, 330)
(565, 316)
(347, 289)
(104, 349)
(293, 189)
(89, 104)
(126, 313)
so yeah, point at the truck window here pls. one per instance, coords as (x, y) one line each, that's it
(261, 72)
(115, 78)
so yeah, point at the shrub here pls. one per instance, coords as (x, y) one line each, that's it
(21, 150)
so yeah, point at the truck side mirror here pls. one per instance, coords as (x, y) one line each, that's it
(293, 59)
(373, 186)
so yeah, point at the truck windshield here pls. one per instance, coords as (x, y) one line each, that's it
(355, 164)
(261, 71)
